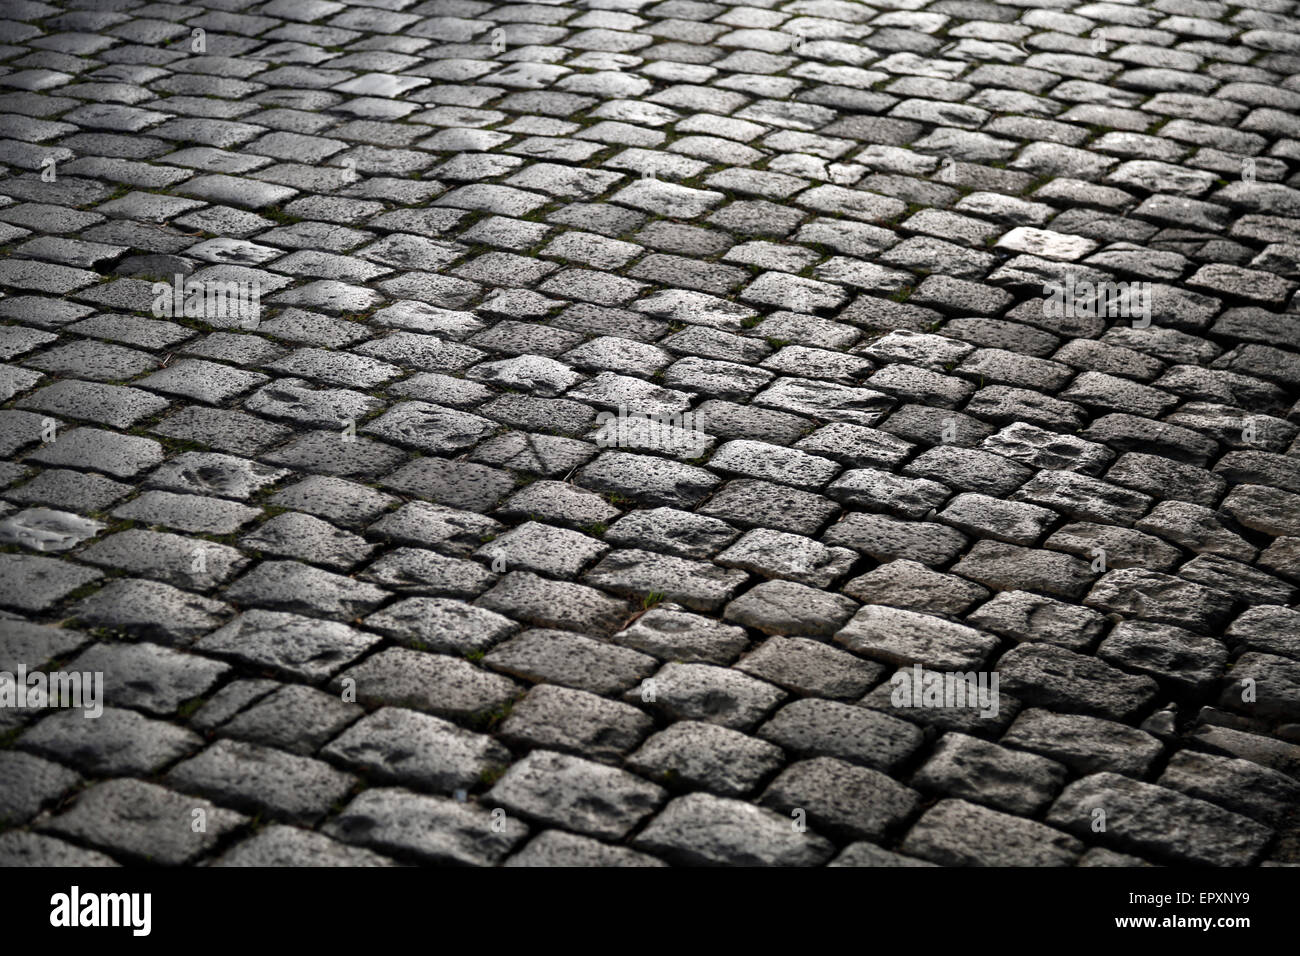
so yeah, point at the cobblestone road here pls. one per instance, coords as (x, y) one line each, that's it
(615, 402)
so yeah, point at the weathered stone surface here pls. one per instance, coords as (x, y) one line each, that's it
(674, 532)
(396, 391)
(301, 646)
(964, 702)
(1009, 567)
(419, 571)
(434, 830)
(1151, 820)
(152, 610)
(557, 848)
(706, 756)
(1264, 686)
(669, 633)
(262, 780)
(749, 502)
(1160, 597)
(290, 717)
(404, 747)
(895, 636)
(810, 667)
(32, 584)
(841, 799)
(280, 845)
(1172, 654)
(1272, 629)
(868, 854)
(869, 488)
(1009, 521)
(822, 728)
(432, 682)
(1244, 787)
(441, 624)
(785, 607)
(716, 695)
(985, 773)
(1083, 498)
(913, 586)
(1084, 744)
(775, 554)
(571, 660)
(957, 833)
(525, 596)
(26, 849)
(143, 821)
(575, 721)
(1111, 547)
(118, 742)
(297, 588)
(1267, 751)
(1057, 679)
(701, 829)
(533, 546)
(886, 539)
(577, 794)
(1022, 616)
(27, 783)
(700, 586)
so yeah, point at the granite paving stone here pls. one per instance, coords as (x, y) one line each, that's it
(444, 625)
(822, 728)
(431, 830)
(143, 821)
(944, 836)
(787, 607)
(304, 647)
(1084, 744)
(1015, 782)
(419, 680)
(291, 717)
(630, 402)
(669, 632)
(1142, 817)
(841, 799)
(575, 794)
(702, 829)
(557, 848)
(118, 742)
(30, 783)
(281, 845)
(404, 747)
(262, 780)
(575, 721)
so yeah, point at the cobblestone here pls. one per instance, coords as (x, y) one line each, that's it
(1084, 744)
(143, 821)
(428, 829)
(717, 759)
(943, 835)
(1136, 811)
(593, 799)
(371, 562)
(842, 799)
(707, 830)
(1004, 779)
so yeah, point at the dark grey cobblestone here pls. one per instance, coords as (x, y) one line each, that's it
(637, 394)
